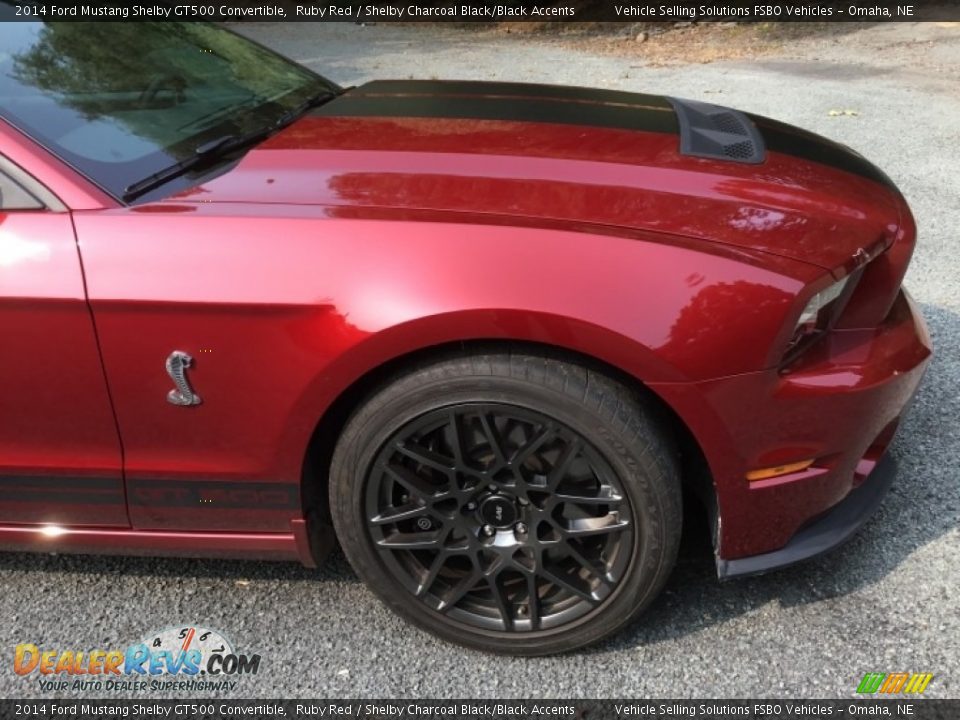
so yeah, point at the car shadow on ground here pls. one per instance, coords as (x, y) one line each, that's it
(923, 505)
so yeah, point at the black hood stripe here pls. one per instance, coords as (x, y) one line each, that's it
(504, 102)
(789, 140)
(479, 88)
(588, 107)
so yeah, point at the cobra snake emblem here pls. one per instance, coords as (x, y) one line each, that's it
(177, 365)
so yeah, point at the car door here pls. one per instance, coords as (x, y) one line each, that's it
(60, 457)
(208, 351)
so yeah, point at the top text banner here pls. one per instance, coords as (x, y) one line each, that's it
(484, 11)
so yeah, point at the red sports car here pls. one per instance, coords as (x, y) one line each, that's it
(488, 336)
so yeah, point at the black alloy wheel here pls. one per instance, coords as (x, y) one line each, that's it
(499, 516)
(503, 513)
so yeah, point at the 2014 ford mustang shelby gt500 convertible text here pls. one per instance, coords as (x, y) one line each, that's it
(488, 336)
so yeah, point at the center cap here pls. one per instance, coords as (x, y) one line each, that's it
(498, 511)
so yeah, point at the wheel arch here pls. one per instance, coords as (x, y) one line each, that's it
(695, 473)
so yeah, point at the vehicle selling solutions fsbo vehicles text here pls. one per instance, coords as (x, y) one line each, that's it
(767, 11)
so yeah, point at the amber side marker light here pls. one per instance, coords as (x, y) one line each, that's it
(772, 472)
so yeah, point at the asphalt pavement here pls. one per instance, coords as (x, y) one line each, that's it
(885, 602)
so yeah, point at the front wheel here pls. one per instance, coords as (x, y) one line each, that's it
(510, 503)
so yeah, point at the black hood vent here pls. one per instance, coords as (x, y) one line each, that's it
(712, 131)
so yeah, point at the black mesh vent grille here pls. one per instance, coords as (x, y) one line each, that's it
(717, 132)
(727, 122)
(739, 151)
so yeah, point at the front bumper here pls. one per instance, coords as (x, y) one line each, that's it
(841, 404)
(833, 529)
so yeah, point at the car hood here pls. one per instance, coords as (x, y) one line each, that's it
(537, 153)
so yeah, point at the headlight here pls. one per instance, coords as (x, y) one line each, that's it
(819, 314)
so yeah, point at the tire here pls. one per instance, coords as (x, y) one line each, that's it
(511, 503)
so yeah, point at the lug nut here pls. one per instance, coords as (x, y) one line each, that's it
(471, 505)
(493, 488)
(522, 610)
(520, 528)
(489, 530)
(523, 501)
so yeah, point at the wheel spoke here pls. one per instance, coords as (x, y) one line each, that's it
(399, 514)
(411, 541)
(531, 446)
(438, 562)
(597, 571)
(564, 462)
(466, 584)
(560, 581)
(500, 599)
(454, 438)
(595, 526)
(611, 499)
(493, 437)
(426, 457)
(533, 601)
(413, 482)
(427, 583)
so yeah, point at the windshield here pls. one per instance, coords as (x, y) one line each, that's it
(120, 102)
